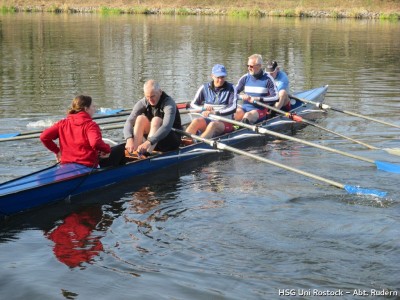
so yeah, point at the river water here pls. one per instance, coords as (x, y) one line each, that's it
(225, 228)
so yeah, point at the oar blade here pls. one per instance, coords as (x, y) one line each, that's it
(388, 167)
(109, 111)
(393, 151)
(363, 191)
(9, 135)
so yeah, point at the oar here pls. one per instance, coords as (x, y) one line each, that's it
(294, 117)
(384, 166)
(37, 134)
(109, 112)
(13, 136)
(348, 188)
(116, 113)
(122, 112)
(326, 106)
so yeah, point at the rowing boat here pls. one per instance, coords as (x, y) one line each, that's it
(59, 182)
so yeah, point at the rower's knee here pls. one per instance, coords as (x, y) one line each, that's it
(239, 114)
(196, 125)
(141, 121)
(156, 121)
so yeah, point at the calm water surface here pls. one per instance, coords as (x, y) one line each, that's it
(225, 228)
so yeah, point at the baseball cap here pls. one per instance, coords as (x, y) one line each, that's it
(219, 71)
(271, 66)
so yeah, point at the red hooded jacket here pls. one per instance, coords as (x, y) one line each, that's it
(79, 138)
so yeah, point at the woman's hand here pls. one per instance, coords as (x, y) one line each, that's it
(58, 156)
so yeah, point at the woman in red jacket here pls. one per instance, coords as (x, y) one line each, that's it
(80, 139)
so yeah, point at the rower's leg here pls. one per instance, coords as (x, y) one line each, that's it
(239, 114)
(283, 99)
(198, 124)
(142, 127)
(252, 116)
(215, 128)
(155, 124)
(116, 158)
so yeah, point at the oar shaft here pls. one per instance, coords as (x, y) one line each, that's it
(37, 135)
(274, 163)
(222, 146)
(325, 106)
(290, 138)
(22, 137)
(301, 119)
(365, 117)
(114, 114)
(124, 112)
(348, 188)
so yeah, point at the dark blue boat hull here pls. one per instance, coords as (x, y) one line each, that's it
(63, 181)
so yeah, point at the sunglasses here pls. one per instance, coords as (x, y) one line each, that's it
(252, 66)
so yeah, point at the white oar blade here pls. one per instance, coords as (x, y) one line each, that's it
(393, 151)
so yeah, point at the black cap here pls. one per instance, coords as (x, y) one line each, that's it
(271, 66)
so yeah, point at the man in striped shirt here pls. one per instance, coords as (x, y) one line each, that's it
(256, 83)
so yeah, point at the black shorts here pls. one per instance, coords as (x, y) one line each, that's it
(170, 142)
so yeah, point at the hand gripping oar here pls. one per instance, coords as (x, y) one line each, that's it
(294, 117)
(348, 188)
(384, 166)
(326, 106)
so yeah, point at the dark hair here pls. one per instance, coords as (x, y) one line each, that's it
(79, 103)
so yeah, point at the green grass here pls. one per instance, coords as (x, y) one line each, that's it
(8, 9)
(110, 11)
(390, 16)
(382, 9)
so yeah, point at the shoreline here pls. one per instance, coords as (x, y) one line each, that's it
(387, 11)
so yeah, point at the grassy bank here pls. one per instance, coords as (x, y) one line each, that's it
(372, 9)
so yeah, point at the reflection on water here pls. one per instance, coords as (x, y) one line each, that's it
(144, 201)
(74, 240)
